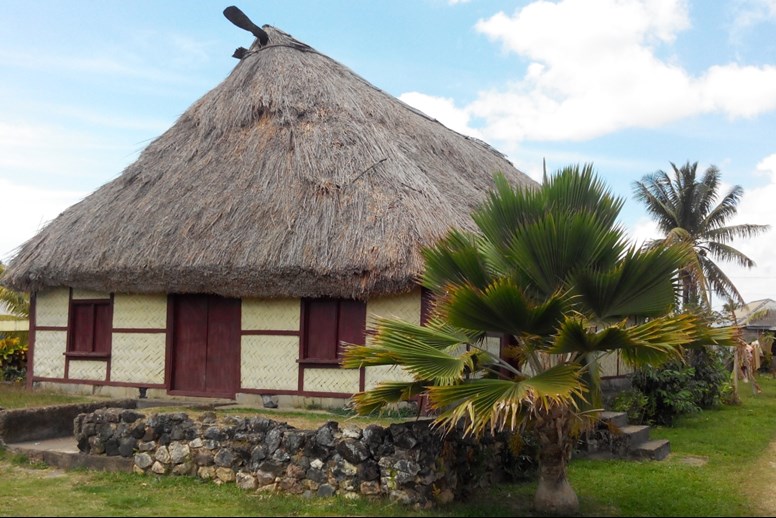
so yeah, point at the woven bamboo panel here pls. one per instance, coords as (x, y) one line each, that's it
(331, 380)
(375, 375)
(271, 314)
(87, 370)
(51, 307)
(86, 294)
(269, 362)
(608, 363)
(492, 345)
(405, 307)
(49, 360)
(140, 311)
(138, 357)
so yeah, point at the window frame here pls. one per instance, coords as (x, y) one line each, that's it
(101, 322)
(349, 326)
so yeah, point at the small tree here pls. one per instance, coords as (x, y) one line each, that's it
(551, 272)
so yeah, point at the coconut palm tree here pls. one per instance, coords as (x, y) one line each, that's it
(684, 208)
(551, 273)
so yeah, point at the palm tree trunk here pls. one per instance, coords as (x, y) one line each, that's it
(554, 494)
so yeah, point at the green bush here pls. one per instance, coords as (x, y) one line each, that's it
(634, 403)
(667, 390)
(13, 358)
(682, 386)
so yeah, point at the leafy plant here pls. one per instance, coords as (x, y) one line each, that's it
(634, 403)
(13, 358)
(551, 272)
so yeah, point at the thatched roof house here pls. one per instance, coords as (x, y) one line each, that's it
(293, 177)
(252, 237)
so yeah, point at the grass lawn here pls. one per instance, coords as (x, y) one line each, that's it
(719, 466)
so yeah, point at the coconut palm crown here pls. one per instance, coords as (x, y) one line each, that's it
(550, 272)
(684, 208)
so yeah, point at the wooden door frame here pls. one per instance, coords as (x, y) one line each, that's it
(170, 352)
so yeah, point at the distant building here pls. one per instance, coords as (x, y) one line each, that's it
(757, 318)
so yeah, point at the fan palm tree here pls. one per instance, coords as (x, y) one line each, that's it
(684, 208)
(551, 273)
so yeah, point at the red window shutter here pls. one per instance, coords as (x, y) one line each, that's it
(321, 329)
(352, 324)
(102, 327)
(82, 333)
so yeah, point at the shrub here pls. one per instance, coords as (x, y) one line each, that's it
(682, 386)
(13, 359)
(634, 403)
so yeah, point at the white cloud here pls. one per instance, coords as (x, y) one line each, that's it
(595, 68)
(442, 109)
(26, 209)
(747, 13)
(756, 207)
(50, 150)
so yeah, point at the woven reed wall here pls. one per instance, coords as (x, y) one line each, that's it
(138, 357)
(271, 314)
(49, 354)
(87, 370)
(331, 380)
(405, 307)
(86, 294)
(269, 362)
(140, 311)
(51, 307)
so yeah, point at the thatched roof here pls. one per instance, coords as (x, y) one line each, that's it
(293, 177)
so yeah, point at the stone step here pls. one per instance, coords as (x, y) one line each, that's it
(657, 449)
(636, 433)
(618, 419)
(626, 438)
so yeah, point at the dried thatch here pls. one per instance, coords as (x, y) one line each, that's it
(294, 177)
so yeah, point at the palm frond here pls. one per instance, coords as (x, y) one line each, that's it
(499, 404)
(387, 393)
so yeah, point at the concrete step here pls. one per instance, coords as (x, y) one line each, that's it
(623, 441)
(63, 453)
(657, 449)
(636, 433)
(618, 419)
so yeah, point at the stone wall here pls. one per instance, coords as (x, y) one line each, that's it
(37, 424)
(408, 462)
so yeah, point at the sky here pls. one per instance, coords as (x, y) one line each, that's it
(630, 86)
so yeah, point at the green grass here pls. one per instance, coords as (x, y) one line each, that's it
(15, 395)
(729, 439)
(732, 441)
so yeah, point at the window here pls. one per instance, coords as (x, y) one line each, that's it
(329, 322)
(90, 327)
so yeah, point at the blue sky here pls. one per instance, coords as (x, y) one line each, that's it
(627, 85)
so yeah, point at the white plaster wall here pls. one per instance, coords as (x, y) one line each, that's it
(51, 307)
(137, 311)
(138, 357)
(49, 354)
(269, 362)
(271, 314)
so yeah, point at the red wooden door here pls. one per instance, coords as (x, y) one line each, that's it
(206, 345)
